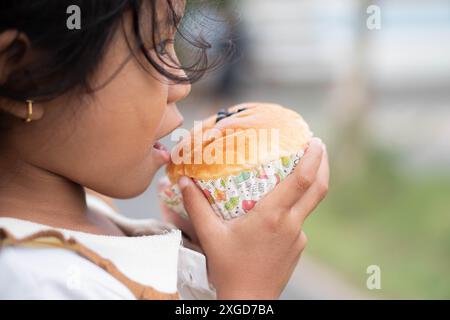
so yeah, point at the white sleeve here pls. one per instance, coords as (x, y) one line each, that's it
(193, 280)
(27, 273)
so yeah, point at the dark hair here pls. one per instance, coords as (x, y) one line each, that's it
(65, 59)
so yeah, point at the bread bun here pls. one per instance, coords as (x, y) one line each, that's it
(236, 137)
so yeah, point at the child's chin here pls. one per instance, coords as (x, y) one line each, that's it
(134, 188)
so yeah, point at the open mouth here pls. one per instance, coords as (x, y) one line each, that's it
(162, 151)
(159, 146)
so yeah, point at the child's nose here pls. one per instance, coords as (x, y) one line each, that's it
(178, 92)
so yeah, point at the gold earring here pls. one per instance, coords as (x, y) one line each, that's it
(29, 110)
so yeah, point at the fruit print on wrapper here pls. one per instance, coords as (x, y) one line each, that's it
(219, 195)
(248, 205)
(169, 192)
(285, 161)
(278, 176)
(243, 176)
(233, 202)
(261, 174)
(208, 196)
(234, 195)
(173, 202)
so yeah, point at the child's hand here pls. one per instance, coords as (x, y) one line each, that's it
(253, 256)
(174, 218)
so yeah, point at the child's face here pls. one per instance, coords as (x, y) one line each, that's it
(105, 142)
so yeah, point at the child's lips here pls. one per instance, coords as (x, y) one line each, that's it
(161, 151)
(158, 145)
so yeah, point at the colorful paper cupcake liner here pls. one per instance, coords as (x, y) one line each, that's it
(234, 195)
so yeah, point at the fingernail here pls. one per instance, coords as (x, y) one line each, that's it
(183, 182)
(316, 141)
(163, 181)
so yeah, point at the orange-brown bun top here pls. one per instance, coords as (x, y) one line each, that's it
(249, 135)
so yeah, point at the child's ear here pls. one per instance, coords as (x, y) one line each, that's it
(13, 48)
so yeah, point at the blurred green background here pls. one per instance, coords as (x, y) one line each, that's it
(380, 99)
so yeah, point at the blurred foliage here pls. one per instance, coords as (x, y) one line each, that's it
(379, 215)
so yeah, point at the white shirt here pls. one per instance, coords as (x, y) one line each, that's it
(159, 261)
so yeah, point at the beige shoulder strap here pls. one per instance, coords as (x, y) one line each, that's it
(55, 239)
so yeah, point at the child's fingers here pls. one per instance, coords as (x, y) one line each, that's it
(203, 217)
(163, 183)
(173, 217)
(312, 197)
(287, 193)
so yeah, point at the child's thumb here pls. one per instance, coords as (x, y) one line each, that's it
(198, 208)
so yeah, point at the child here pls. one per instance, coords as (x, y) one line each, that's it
(81, 111)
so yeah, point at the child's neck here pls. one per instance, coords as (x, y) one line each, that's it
(38, 195)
